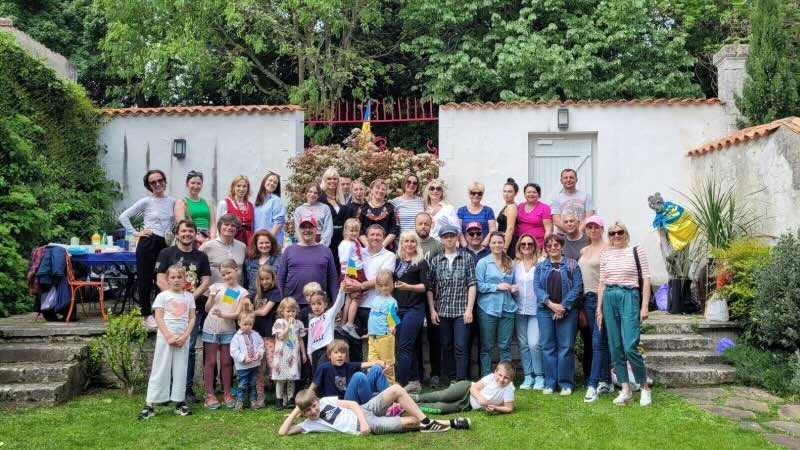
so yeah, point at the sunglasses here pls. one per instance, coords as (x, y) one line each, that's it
(412, 182)
(475, 234)
(435, 188)
(526, 244)
(554, 245)
(158, 181)
(616, 233)
(194, 173)
(476, 194)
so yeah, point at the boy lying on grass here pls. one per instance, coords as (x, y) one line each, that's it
(329, 414)
(493, 393)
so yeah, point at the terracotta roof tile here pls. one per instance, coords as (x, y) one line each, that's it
(747, 134)
(200, 110)
(532, 103)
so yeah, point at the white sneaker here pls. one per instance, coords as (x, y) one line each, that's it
(605, 388)
(622, 399)
(566, 391)
(150, 323)
(547, 391)
(646, 398)
(591, 395)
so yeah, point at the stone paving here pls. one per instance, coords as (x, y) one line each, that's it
(754, 409)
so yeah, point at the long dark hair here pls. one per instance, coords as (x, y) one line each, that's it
(262, 191)
(147, 175)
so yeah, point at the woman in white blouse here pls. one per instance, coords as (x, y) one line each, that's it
(157, 211)
(443, 213)
(527, 255)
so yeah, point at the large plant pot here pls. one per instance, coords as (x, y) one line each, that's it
(680, 295)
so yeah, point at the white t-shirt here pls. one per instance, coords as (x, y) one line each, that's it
(578, 202)
(176, 309)
(373, 264)
(494, 393)
(226, 299)
(332, 418)
(320, 328)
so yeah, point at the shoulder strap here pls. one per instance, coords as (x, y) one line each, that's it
(638, 267)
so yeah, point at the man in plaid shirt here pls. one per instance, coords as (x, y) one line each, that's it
(451, 297)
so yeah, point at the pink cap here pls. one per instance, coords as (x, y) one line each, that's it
(597, 220)
(308, 218)
(472, 225)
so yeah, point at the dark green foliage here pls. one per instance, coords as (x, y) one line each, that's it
(755, 367)
(771, 91)
(51, 185)
(777, 304)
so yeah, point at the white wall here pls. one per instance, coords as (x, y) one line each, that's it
(639, 149)
(766, 173)
(245, 144)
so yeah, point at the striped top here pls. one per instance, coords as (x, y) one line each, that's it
(407, 210)
(618, 267)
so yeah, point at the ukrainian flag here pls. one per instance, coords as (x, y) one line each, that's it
(679, 223)
(392, 318)
(365, 128)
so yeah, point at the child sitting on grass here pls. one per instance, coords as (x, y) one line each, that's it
(247, 350)
(329, 414)
(493, 393)
(340, 378)
(175, 315)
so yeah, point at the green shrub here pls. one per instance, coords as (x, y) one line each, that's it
(771, 371)
(778, 302)
(739, 263)
(51, 184)
(122, 349)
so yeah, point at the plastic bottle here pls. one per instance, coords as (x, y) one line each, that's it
(97, 242)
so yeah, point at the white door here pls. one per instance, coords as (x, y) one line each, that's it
(548, 156)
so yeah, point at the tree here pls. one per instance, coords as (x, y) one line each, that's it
(555, 49)
(259, 50)
(771, 90)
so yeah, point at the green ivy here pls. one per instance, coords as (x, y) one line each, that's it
(51, 184)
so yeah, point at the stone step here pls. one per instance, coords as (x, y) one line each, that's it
(683, 358)
(25, 372)
(22, 394)
(42, 352)
(50, 331)
(675, 342)
(673, 327)
(693, 375)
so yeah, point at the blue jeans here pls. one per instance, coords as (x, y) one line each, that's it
(455, 351)
(406, 334)
(530, 350)
(495, 331)
(362, 387)
(200, 317)
(247, 383)
(601, 366)
(558, 347)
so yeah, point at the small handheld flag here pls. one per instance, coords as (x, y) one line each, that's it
(392, 318)
(365, 128)
(351, 270)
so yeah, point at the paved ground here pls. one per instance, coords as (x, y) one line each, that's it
(28, 325)
(754, 409)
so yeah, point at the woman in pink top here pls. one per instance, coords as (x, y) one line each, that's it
(624, 307)
(533, 216)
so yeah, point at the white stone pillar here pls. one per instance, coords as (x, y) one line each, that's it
(730, 61)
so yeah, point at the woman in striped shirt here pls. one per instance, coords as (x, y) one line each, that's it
(620, 301)
(408, 205)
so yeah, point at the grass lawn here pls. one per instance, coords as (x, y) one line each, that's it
(108, 420)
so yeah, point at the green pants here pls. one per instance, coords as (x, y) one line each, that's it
(621, 319)
(452, 399)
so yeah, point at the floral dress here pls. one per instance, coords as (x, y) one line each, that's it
(286, 359)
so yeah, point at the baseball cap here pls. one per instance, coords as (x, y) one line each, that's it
(474, 224)
(597, 220)
(308, 218)
(448, 229)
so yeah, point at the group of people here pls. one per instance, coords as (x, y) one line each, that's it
(393, 273)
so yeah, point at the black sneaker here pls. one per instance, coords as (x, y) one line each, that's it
(461, 423)
(146, 412)
(190, 397)
(433, 427)
(182, 409)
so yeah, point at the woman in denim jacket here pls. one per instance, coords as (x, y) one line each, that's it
(558, 284)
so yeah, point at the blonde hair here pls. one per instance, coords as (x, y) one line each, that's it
(627, 235)
(338, 345)
(265, 268)
(426, 193)
(236, 180)
(177, 268)
(374, 183)
(229, 263)
(246, 316)
(476, 186)
(385, 278)
(351, 224)
(286, 303)
(311, 288)
(331, 172)
(305, 399)
(536, 249)
(410, 235)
